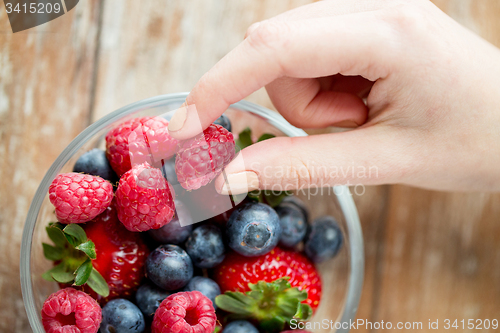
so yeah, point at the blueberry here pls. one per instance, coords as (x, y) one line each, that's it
(169, 267)
(253, 229)
(293, 224)
(122, 316)
(324, 239)
(293, 200)
(168, 171)
(205, 246)
(173, 232)
(240, 326)
(148, 299)
(224, 122)
(206, 286)
(95, 163)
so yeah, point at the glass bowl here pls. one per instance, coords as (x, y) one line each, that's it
(342, 276)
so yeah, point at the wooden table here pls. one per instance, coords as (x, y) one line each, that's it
(429, 255)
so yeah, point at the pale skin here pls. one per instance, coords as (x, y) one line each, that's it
(432, 91)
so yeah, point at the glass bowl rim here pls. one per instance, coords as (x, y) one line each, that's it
(346, 203)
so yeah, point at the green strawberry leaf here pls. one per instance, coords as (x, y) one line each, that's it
(234, 302)
(273, 199)
(56, 235)
(244, 138)
(48, 274)
(82, 273)
(275, 324)
(59, 273)
(255, 195)
(75, 234)
(88, 248)
(52, 252)
(97, 283)
(304, 312)
(76, 253)
(265, 136)
(63, 277)
(271, 304)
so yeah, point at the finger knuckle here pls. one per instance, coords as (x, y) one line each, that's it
(267, 35)
(406, 19)
(298, 170)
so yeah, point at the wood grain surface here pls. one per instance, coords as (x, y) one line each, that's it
(429, 255)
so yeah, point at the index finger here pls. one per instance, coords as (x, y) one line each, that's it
(354, 44)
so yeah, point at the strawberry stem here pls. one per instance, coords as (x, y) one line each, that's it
(272, 305)
(72, 253)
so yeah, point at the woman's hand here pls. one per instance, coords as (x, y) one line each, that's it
(432, 89)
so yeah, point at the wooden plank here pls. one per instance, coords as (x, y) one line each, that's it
(45, 88)
(170, 45)
(441, 258)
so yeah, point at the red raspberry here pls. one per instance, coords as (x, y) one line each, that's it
(79, 198)
(185, 312)
(70, 310)
(137, 141)
(203, 157)
(144, 199)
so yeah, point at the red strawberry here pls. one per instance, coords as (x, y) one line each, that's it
(121, 255)
(144, 199)
(203, 157)
(236, 271)
(103, 258)
(137, 141)
(79, 198)
(70, 310)
(185, 312)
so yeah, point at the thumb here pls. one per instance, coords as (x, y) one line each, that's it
(365, 156)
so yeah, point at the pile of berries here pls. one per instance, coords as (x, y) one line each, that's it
(128, 258)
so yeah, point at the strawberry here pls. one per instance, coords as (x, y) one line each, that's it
(137, 141)
(121, 254)
(236, 272)
(272, 305)
(103, 257)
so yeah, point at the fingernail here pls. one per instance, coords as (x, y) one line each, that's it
(241, 182)
(347, 124)
(178, 119)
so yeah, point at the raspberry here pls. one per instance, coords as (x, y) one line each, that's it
(144, 199)
(70, 310)
(79, 198)
(189, 312)
(137, 141)
(202, 158)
